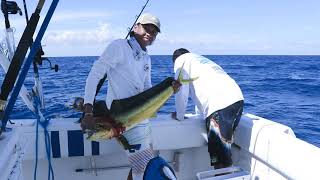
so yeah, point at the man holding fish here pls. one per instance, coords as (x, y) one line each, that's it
(128, 68)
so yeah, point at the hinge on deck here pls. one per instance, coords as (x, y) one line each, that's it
(93, 166)
(176, 160)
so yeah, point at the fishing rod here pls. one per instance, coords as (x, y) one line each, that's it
(137, 17)
(17, 60)
(38, 58)
(9, 7)
(4, 9)
(135, 21)
(37, 89)
(25, 10)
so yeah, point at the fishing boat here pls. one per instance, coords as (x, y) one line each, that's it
(42, 148)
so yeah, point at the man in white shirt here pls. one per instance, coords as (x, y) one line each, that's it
(217, 98)
(128, 68)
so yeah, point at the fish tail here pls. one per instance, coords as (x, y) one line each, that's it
(185, 81)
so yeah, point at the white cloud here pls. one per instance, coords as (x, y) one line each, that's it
(309, 28)
(81, 42)
(101, 34)
(67, 16)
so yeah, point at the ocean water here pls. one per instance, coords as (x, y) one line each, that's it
(285, 89)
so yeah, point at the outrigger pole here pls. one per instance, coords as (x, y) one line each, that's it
(38, 59)
(135, 21)
(34, 49)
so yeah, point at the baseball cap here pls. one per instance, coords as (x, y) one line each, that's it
(148, 18)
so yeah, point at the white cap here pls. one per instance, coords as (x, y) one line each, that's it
(148, 18)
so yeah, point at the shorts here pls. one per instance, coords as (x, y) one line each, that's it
(220, 127)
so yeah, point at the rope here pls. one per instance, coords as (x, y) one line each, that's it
(44, 122)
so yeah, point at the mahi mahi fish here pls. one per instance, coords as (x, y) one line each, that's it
(130, 111)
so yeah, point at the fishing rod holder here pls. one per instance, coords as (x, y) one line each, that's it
(10, 7)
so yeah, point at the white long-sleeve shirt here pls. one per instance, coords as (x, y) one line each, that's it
(213, 90)
(128, 70)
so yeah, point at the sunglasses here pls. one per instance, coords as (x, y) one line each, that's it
(150, 29)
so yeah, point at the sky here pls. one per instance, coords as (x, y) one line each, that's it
(211, 27)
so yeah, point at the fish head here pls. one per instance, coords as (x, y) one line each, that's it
(78, 103)
(99, 133)
(104, 129)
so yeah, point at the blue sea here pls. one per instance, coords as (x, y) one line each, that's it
(285, 89)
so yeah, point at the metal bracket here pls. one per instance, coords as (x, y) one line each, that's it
(176, 161)
(93, 166)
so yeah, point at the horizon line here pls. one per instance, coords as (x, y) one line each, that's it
(201, 54)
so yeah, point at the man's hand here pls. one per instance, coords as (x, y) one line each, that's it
(176, 86)
(174, 116)
(88, 122)
(88, 108)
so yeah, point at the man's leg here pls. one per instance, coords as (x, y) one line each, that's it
(141, 152)
(221, 125)
(130, 175)
(219, 150)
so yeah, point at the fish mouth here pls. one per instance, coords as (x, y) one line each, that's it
(100, 132)
(78, 103)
